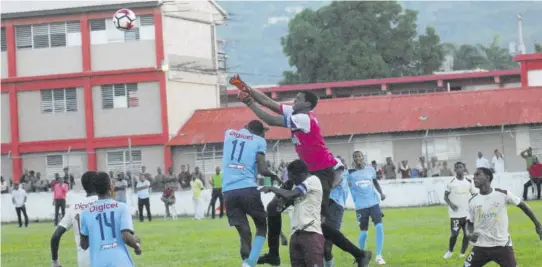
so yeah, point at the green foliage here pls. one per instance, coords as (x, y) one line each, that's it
(538, 48)
(358, 40)
(488, 57)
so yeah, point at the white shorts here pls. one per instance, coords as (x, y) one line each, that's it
(83, 258)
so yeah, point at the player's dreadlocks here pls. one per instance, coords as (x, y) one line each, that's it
(87, 180)
(297, 167)
(102, 183)
(487, 172)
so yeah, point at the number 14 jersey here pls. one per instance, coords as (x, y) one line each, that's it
(103, 222)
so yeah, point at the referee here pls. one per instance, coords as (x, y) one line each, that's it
(216, 181)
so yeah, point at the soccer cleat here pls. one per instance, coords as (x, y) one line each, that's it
(448, 255)
(364, 261)
(379, 260)
(245, 265)
(269, 259)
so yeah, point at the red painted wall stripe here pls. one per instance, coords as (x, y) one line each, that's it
(14, 125)
(11, 50)
(85, 43)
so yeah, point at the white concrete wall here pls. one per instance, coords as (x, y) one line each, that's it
(399, 193)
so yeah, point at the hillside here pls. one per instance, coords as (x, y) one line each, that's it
(254, 30)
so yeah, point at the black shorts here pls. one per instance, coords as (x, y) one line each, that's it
(363, 216)
(480, 256)
(457, 224)
(326, 177)
(336, 212)
(243, 202)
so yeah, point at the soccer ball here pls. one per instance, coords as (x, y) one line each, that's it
(124, 19)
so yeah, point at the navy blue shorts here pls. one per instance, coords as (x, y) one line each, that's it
(336, 213)
(243, 202)
(363, 216)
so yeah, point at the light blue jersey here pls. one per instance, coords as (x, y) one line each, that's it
(362, 187)
(339, 194)
(239, 168)
(103, 223)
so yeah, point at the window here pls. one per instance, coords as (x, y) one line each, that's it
(57, 163)
(59, 100)
(102, 31)
(119, 96)
(4, 44)
(58, 34)
(444, 148)
(120, 161)
(208, 160)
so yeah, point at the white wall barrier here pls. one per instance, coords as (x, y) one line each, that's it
(399, 193)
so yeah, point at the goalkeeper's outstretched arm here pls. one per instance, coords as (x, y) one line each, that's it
(265, 101)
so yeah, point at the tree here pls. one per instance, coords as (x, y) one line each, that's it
(349, 40)
(497, 57)
(490, 57)
(538, 48)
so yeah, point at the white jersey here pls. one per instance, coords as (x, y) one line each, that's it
(72, 220)
(306, 215)
(490, 218)
(460, 193)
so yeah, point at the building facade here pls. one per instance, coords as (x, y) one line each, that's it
(78, 93)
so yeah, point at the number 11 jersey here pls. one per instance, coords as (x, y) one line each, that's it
(239, 167)
(103, 222)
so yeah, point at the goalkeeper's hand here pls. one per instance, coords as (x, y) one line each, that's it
(56, 264)
(237, 82)
(245, 98)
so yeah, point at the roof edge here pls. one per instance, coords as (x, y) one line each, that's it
(81, 9)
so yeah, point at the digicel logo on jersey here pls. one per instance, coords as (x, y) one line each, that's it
(240, 135)
(82, 206)
(105, 206)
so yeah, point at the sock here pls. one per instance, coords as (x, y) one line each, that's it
(257, 246)
(329, 263)
(361, 239)
(274, 224)
(379, 239)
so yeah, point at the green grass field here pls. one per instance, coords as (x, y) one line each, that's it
(415, 237)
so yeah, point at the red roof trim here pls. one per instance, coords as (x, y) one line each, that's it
(346, 116)
(528, 57)
(395, 80)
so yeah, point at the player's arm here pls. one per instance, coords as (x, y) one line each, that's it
(378, 189)
(258, 96)
(272, 120)
(529, 212)
(448, 201)
(262, 167)
(83, 233)
(286, 194)
(127, 230)
(55, 242)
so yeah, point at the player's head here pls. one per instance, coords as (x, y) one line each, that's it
(339, 168)
(482, 177)
(459, 168)
(87, 180)
(359, 159)
(256, 127)
(298, 171)
(102, 184)
(305, 101)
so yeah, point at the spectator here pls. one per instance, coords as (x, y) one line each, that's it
(18, 198)
(159, 183)
(404, 169)
(216, 182)
(5, 187)
(197, 187)
(527, 154)
(147, 175)
(389, 169)
(434, 167)
(421, 169)
(42, 184)
(378, 171)
(168, 197)
(445, 171)
(198, 175)
(535, 173)
(24, 176)
(129, 178)
(60, 189)
(31, 182)
(69, 179)
(498, 162)
(120, 188)
(143, 193)
(185, 177)
(171, 177)
(482, 162)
